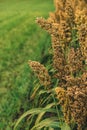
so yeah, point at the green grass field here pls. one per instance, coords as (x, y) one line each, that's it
(21, 39)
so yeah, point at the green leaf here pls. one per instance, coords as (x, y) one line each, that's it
(51, 128)
(32, 112)
(48, 122)
(65, 127)
(41, 114)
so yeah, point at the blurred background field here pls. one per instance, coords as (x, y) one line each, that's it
(21, 39)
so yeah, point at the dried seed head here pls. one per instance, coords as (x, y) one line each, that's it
(64, 101)
(41, 72)
(68, 26)
(78, 104)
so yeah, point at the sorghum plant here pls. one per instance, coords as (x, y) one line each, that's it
(68, 29)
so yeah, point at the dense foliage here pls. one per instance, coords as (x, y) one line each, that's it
(19, 42)
(66, 72)
(57, 99)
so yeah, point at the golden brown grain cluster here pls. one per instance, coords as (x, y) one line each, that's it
(68, 29)
(41, 72)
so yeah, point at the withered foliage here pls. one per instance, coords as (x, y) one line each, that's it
(68, 29)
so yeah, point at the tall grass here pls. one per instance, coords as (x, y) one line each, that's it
(19, 42)
(59, 98)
